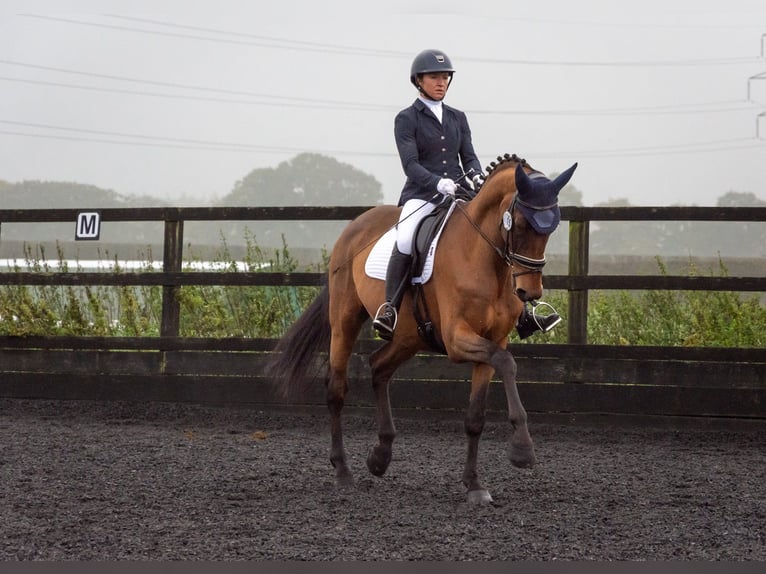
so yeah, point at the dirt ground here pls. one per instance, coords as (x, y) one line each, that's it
(117, 481)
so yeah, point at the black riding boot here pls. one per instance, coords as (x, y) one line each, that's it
(529, 323)
(397, 281)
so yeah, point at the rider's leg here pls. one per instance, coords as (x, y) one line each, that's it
(398, 271)
(397, 281)
(530, 322)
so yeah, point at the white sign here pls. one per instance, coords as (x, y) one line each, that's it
(88, 225)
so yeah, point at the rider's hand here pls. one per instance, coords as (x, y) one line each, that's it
(477, 181)
(446, 186)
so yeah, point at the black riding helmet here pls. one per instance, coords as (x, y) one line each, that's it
(430, 61)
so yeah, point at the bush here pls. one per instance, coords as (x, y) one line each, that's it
(667, 318)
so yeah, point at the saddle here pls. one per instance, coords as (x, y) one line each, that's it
(423, 241)
(424, 246)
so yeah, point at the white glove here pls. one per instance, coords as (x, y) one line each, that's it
(446, 186)
(477, 180)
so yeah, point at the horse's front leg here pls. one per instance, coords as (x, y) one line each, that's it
(474, 426)
(522, 450)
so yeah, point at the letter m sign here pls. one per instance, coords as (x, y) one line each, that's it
(88, 225)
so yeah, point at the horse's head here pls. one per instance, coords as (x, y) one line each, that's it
(530, 214)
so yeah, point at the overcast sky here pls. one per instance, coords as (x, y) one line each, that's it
(660, 102)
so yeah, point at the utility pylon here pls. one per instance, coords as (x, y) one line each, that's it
(761, 76)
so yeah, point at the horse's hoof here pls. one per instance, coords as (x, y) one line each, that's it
(479, 497)
(523, 456)
(378, 460)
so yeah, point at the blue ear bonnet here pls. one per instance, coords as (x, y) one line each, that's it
(537, 198)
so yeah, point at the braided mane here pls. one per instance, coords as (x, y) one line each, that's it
(504, 162)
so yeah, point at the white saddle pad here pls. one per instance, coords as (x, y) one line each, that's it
(377, 261)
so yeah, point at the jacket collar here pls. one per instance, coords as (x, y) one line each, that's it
(422, 107)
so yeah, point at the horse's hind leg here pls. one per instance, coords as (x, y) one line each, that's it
(383, 363)
(337, 385)
(336, 391)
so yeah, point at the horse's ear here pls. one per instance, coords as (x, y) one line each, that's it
(543, 188)
(564, 177)
(523, 184)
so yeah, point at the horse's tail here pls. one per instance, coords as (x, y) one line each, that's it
(294, 354)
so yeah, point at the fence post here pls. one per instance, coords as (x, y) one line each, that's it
(577, 322)
(171, 263)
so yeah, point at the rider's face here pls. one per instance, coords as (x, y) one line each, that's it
(435, 84)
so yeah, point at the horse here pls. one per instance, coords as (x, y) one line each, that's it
(488, 263)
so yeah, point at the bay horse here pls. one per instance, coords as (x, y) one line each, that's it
(489, 261)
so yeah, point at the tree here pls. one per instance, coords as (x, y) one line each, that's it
(33, 194)
(307, 179)
(739, 199)
(633, 237)
(682, 238)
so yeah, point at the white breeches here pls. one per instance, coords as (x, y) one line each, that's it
(412, 212)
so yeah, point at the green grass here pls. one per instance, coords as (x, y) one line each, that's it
(665, 318)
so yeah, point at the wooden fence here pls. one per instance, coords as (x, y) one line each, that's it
(571, 378)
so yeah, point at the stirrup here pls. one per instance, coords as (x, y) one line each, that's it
(385, 313)
(532, 323)
(542, 322)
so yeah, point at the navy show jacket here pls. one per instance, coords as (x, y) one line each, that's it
(431, 150)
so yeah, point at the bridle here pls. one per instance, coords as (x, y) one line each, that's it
(507, 252)
(511, 257)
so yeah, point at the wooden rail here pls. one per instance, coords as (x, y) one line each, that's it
(575, 377)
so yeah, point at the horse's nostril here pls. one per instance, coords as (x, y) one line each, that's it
(522, 293)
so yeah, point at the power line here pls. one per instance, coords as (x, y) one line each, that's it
(288, 44)
(695, 108)
(292, 101)
(630, 23)
(698, 147)
(221, 145)
(268, 43)
(242, 148)
(178, 143)
(288, 104)
(207, 145)
(280, 98)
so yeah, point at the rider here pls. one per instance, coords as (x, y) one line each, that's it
(435, 149)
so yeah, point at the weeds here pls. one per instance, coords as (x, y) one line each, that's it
(665, 318)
